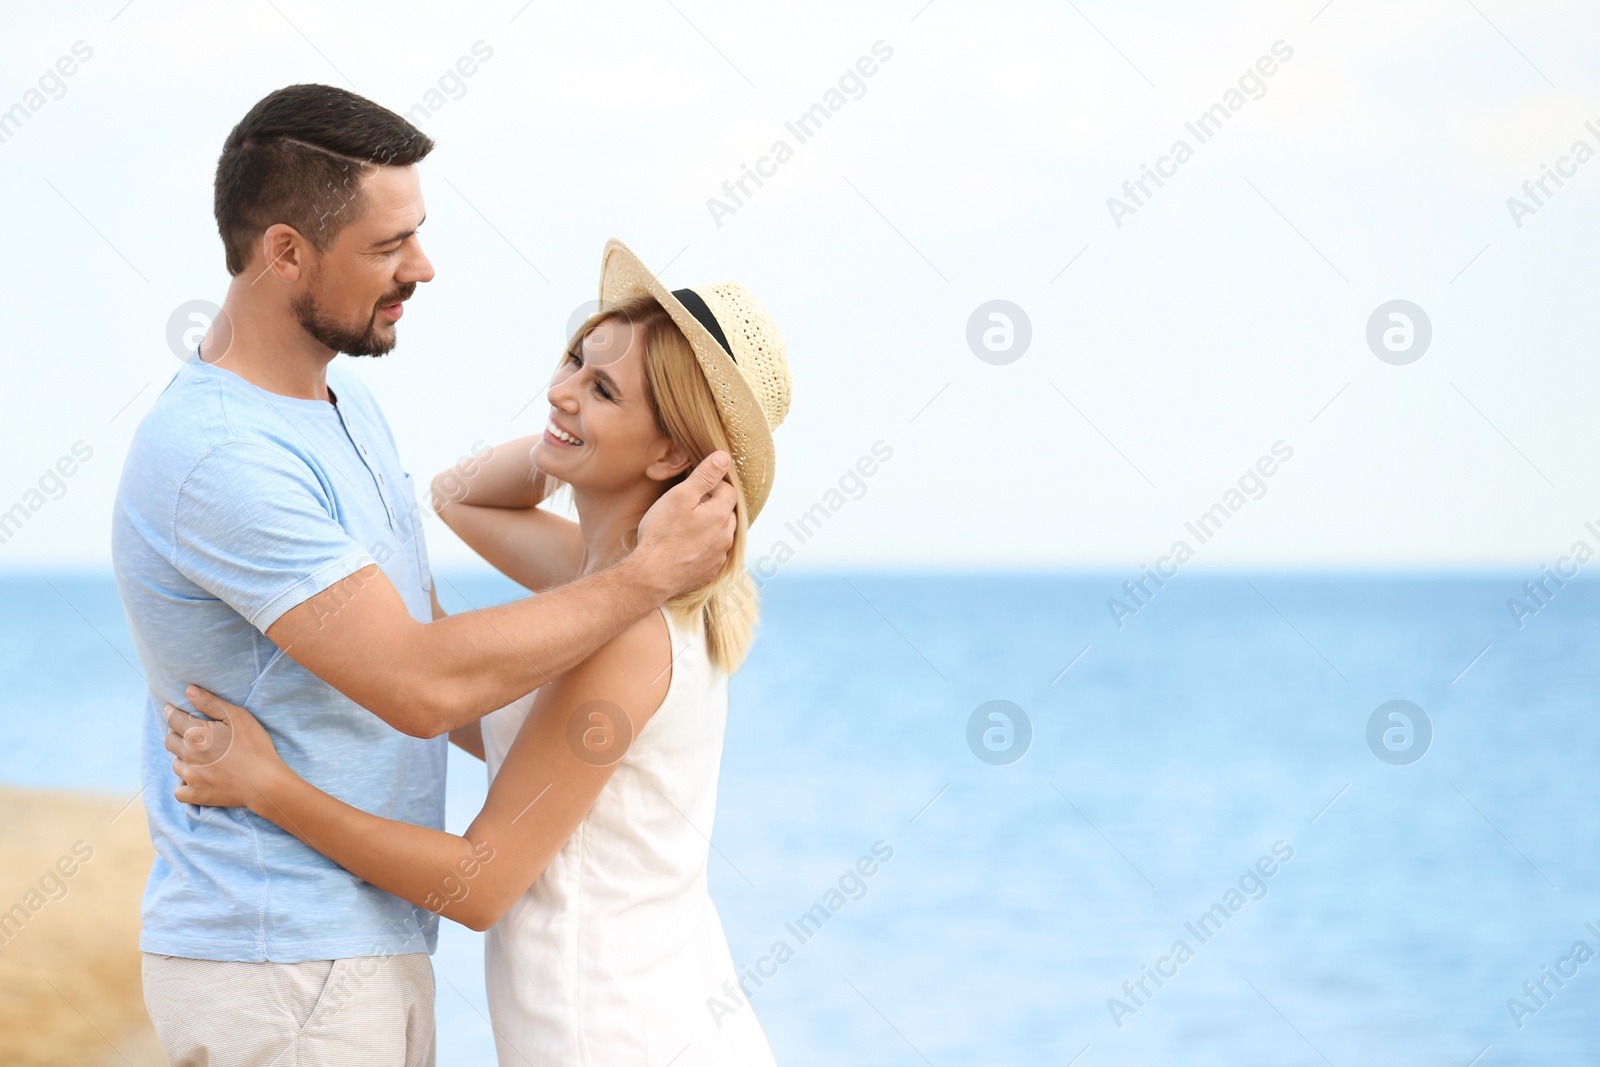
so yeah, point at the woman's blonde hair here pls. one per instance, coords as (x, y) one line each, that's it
(686, 414)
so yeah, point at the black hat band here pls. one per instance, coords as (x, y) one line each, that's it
(697, 307)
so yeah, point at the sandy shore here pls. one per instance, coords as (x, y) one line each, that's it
(72, 869)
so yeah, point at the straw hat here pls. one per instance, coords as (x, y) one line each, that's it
(739, 350)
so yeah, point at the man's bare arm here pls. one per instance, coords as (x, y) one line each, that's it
(468, 738)
(425, 679)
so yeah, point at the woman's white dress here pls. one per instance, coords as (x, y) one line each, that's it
(615, 954)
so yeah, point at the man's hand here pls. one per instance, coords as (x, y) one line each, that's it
(685, 536)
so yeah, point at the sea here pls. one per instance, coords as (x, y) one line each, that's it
(1263, 817)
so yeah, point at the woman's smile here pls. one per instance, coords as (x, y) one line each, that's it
(560, 438)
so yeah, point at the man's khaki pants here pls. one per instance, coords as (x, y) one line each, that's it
(371, 1011)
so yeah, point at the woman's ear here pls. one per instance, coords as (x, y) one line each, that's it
(672, 462)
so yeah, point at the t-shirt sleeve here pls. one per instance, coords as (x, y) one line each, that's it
(254, 527)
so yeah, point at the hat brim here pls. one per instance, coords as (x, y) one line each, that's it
(624, 275)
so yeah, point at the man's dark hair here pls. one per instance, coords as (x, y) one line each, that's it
(298, 158)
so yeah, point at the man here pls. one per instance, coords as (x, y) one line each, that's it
(268, 547)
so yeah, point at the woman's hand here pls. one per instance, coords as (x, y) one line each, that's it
(229, 762)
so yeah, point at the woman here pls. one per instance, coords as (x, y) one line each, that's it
(588, 862)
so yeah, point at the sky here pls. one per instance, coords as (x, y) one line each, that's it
(1157, 350)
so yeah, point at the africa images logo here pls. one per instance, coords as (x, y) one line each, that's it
(1209, 123)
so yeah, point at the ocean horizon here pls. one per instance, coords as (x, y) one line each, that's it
(1054, 804)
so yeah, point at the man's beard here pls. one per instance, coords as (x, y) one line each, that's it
(362, 341)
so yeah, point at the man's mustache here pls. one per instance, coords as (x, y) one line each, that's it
(401, 294)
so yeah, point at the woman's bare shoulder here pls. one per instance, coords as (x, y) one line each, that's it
(636, 665)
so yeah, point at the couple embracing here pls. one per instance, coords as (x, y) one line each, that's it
(269, 555)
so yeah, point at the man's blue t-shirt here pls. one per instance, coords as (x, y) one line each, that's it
(236, 505)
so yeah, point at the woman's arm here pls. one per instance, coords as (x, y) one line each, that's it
(469, 738)
(579, 727)
(492, 502)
